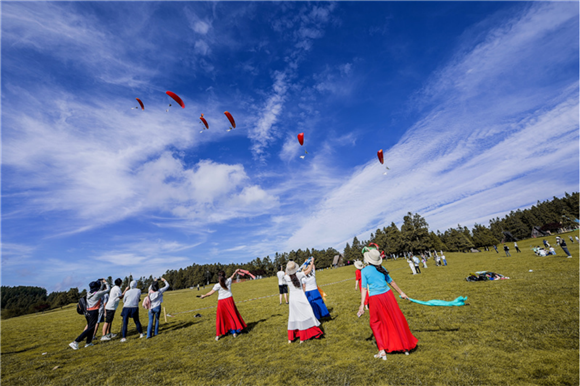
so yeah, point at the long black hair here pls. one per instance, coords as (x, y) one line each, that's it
(222, 279)
(382, 270)
(295, 280)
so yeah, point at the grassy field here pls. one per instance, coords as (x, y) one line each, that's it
(514, 332)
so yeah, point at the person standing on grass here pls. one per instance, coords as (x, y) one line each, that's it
(313, 295)
(102, 313)
(156, 298)
(387, 322)
(506, 249)
(282, 286)
(571, 239)
(411, 265)
(228, 319)
(302, 323)
(94, 300)
(424, 260)
(516, 247)
(563, 246)
(358, 284)
(495, 247)
(131, 309)
(110, 308)
(416, 261)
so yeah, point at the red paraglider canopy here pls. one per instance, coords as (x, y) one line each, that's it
(230, 118)
(204, 121)
(301, 138)
(176, 98)
(141, 103)
(380, 155)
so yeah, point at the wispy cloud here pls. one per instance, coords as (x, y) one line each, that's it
(471, 156)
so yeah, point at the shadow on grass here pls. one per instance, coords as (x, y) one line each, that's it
(179, 326)
(20, 351)
(251, 326)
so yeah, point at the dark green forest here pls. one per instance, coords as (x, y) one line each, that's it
(556, 215)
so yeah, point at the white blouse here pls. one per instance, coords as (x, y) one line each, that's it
(224, 294)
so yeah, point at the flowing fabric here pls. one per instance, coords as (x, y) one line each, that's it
(389, 325)
(460, 301)
(318, 306)
(228, 319)
(301, 320)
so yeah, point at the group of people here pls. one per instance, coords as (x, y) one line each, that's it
(415, 261)
(102, 302)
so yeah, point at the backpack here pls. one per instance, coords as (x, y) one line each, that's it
(147, 303)
(82, 306)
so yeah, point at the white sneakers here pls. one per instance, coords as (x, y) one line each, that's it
(123, 340)
(74, 345)
(141, 336)
(105, 337)
(88, 345)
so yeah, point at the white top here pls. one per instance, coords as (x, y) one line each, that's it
(281, 280)
(114, 298)
(224, 294)
(310, 282)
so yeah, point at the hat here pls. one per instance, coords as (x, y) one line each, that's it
(94, 286)
(358, 264)
(373, 257)
(291, 268)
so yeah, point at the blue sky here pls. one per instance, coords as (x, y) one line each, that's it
(475, 105)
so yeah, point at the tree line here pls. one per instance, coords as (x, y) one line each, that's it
(414, 236)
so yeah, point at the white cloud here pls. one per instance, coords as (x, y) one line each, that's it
(474, 154)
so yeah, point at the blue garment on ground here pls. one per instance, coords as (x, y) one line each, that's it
(317, 304)
(460, 301)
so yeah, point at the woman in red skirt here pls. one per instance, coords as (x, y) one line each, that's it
(388, 323)
(228, 319)
(358, 284)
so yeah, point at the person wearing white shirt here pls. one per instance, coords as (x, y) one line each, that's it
(313, 295)
(110, 308)
(282, 286)
(156, 298)
(228, 319)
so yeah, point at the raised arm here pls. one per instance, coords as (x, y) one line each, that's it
(310, 267)
(208, 294)
(235, 273)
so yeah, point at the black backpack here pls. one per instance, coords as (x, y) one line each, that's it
(82, 306)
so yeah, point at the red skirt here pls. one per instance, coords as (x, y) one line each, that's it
(312, 332)
(228, 319)
(389, 325)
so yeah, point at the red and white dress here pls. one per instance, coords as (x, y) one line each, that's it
(301, 320)
(228, 319)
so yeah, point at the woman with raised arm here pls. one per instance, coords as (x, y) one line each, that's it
(388, 323)
(301, 320)
(228, 319)
(313, 295)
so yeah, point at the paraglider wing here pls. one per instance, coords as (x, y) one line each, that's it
(204, 121)
(301, 138)
(227, 113)
(141, 103)
(176, 98)
(380, 155)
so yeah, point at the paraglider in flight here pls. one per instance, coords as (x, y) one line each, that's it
(175, 98)
(141, 103)
(231, 119)
(204, 122)
(382, 160)
(301, 140)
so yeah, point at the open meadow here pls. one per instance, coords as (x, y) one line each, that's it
(513, 332)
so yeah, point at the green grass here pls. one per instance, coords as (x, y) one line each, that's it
(514, 332)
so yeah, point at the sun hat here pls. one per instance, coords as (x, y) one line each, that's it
(291, 268)
(94, 286)
(373, 257)
(358, 264)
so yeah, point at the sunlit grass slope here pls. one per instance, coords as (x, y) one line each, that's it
(518, 331)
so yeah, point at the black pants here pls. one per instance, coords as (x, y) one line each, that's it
(417, 269)
(517, 249)
(92, 317)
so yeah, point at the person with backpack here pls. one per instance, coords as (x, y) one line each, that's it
(387, 322)
(228, 319)
(155, 297)
(110, 308)
(131, 309)
(90, 307)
